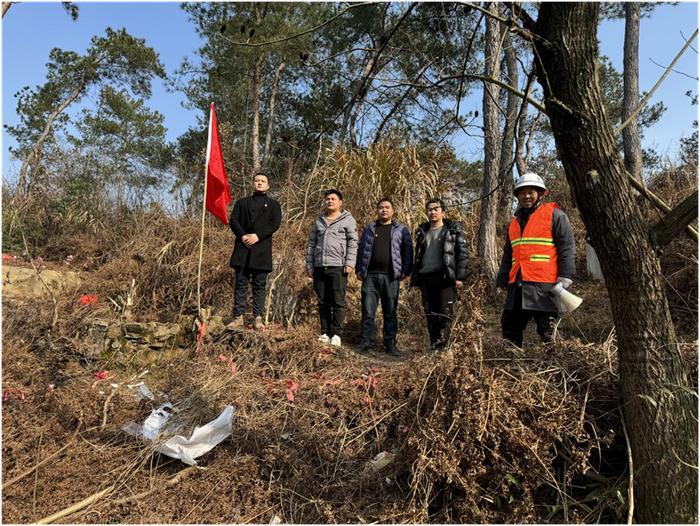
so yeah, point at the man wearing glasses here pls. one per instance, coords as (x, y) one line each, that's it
(439, 269)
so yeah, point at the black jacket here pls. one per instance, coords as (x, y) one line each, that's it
(255, 214)
(454, 252)
(536, 296)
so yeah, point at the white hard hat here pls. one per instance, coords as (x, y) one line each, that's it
(529, 179)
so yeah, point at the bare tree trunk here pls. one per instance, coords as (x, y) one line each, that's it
(630, 100)
(271, 117)
(521, 158)
(506, 162)
(255, 132)
(660, 408)
(23, 183)
(489, 188)
(371, 67)
(358, 95)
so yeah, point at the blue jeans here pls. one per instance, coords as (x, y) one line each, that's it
(376, 288)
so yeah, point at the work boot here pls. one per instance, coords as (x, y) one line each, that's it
(390, 347)
(364, 347)
(236, 324)
(258, 324)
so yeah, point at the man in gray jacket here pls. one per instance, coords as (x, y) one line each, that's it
(330, 257)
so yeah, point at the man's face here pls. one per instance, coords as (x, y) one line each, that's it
(385, 211)
(527, 196)
(333, 202)
(434, 212)
(260, 183)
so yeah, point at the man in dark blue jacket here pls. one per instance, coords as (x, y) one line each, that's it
(384, 258)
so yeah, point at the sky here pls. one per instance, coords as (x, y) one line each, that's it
(31, 29)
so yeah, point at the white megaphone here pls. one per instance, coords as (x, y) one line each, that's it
(564, 300)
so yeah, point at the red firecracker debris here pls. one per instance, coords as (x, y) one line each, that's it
(12, 393)
(292, 386)
(102, 375)
(200, 336)
(6, 258)
(89, 299)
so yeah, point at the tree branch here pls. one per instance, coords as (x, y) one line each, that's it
(675, 221)
(659, 203)
(292, 37)
(644, 101)
(504, 85)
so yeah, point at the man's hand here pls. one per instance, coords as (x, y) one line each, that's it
(348, 269)
(565, 282)
(458, 284)
(250, 239)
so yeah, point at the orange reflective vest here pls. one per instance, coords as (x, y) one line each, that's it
(534, 253)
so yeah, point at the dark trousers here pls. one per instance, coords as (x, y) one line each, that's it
(513, 322)
(438, 302)
(243, 278)
(330, 284)
(376, 288)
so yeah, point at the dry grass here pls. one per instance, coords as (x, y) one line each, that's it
(481, 433)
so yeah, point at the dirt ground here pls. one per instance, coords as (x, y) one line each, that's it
(482, 432)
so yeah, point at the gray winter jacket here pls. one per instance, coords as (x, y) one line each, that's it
(537, 296)
(332, 244)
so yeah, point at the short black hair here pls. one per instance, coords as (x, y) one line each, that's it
(436, 200)
(333, 191)
(385, 200)
(263, 174)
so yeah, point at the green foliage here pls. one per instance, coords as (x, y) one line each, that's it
(116, 58)
(125, 142)
(323, 69)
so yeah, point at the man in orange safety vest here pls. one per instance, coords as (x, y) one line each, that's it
(539, 252)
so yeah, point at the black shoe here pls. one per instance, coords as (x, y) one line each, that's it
(363, 348)
(390, 348)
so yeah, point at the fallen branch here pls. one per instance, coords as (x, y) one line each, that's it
(170, 482)
(77, 506)
(105, 407)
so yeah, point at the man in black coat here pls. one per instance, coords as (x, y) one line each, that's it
(253, 220)
(439, 270)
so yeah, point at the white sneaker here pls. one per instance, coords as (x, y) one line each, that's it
(324, 338)
(335, 341)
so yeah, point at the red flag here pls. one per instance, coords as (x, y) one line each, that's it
(218, 195)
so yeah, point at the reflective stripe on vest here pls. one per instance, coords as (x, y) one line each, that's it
(534, 253)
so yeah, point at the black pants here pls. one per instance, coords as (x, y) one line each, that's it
(376, 288)
(243, 278)
(330, 284)
(513, 322)
(438, 302)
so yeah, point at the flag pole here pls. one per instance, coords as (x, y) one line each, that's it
(204, 212)
(201, 246)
